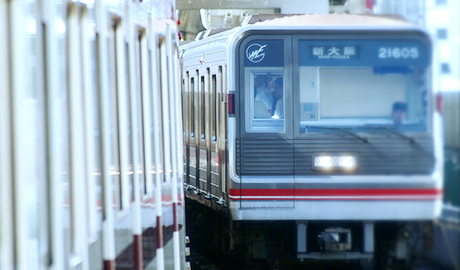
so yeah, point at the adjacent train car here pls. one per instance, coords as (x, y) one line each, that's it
(311, 137)
(89, 112)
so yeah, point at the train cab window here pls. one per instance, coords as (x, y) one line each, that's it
(341, 88)
(266, 106)
(264, 86)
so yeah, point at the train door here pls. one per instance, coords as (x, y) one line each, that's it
(265, 153)
(214, 188)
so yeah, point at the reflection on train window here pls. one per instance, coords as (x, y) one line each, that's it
(213, 107)
(220, 98)
(192, 107)
(266, 106)
(118, 109)
(184, 101)
(141, 53)
(203, 108)
(369, 97)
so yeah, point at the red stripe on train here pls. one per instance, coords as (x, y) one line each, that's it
(303, 194)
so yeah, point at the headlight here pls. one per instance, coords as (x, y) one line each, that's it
(323, 162)
(334, 162)
(347, 162)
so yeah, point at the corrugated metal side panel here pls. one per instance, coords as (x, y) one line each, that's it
(272, 156)
(384, 154)
(381, 156)
(451, 116)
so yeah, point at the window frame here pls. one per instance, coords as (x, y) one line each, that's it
(141, 49)
(370, 35)
(192, 100)
(442, 33)
(214, 97)
(249, 106)
(202, 107)
(445, 68)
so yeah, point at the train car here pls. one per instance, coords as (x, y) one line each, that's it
(90, 163)
(312, 137)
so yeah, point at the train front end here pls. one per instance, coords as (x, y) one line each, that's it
(334, 134)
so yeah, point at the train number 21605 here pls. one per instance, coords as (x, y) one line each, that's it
(397, 52)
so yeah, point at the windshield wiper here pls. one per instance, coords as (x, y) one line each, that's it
(393, 131)
(343, 130)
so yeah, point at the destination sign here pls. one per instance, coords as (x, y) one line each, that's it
(334, 52)
(393, 53)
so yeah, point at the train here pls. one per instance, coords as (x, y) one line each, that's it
(311, 138)
(91, 171)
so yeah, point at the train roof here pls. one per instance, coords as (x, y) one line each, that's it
(219, 39)
(326, 20)
(312, 20)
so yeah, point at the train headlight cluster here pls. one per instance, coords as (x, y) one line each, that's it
(333, 162)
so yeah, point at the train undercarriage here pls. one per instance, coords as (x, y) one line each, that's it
(302, 244)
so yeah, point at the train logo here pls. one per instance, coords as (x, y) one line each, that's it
(255, 52)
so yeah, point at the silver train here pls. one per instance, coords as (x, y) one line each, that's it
(311, 137)
(89, 112)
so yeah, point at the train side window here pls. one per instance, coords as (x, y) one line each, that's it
(88, 45)
(192, 107)
(219, 100)
(214, 107)
(76, 128)
(184, 105)
(119, 117)
(220, 86)
(144, 110)
(203, 108)
(165, 116)
(129, 120)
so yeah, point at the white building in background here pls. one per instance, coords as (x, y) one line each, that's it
(441, 19)
(413, 11)
(443, 22)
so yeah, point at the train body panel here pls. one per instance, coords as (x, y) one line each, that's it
(335, 198)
